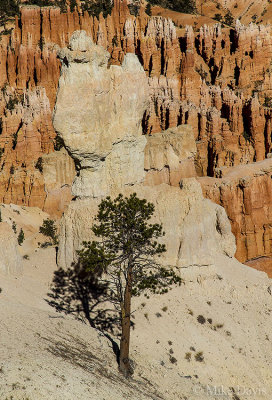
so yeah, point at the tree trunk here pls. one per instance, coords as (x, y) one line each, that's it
(124, 365)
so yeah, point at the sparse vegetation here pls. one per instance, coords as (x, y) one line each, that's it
(202, 73)
(127, 252)
(98, 6)
(201, 319)
(254, 18)
(267, 101)
(158, 315)
(228, 19)
(188, 357)
(13, 101)
(49, 229)
(199, 356)
(8, 9)
(173, 360)
(134, 9)
(21, 237)
(218, 17)
(14, 227)
(183, 6)
(73, 5)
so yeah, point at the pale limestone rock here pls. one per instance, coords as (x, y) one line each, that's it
(169, 156)
(10, 259)
(197, 230)
(59, 173)
(98, 114)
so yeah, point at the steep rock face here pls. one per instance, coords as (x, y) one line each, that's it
(59, 173)
(245, 193)
(195, 220)
(204, 79)
(196, 232)
(21, 147)
(169, 156)
(22, 168)
(98, 115)
(183, 72)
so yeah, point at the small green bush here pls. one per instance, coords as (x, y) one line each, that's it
(14, 227)
(49, 229)
(199, 356)
(201, 319)
(21, 237)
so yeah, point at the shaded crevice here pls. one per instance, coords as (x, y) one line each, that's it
(211, 158)
(162, 57)
(236, 75)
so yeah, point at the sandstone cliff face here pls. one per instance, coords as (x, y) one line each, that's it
(245, 193)
(196, 222)
(169, 156)
(188, 75)
(204, 79)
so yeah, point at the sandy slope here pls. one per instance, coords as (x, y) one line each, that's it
(45, 355)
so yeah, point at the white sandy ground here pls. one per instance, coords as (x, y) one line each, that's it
(45, 355)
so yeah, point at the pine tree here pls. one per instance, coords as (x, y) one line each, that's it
(128, 255)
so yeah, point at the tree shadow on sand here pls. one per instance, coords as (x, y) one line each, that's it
(77, 292)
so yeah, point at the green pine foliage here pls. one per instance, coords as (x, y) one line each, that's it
(95, 7)
(49, 229)
(126, 256)
(21, 237)
(8, 9)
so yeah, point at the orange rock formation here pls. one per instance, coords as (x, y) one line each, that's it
(216, 80)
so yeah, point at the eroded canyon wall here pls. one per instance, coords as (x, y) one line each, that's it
(110, 149)
(217, 80)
